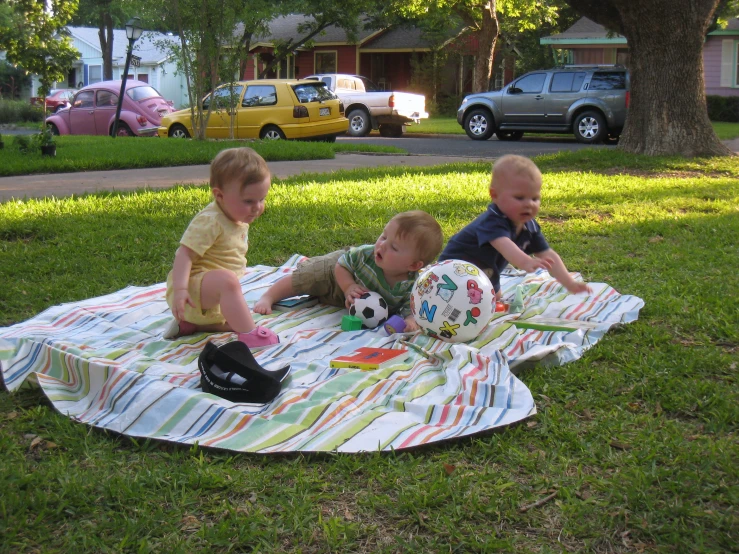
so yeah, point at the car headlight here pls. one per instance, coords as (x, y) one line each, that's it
(464, 100)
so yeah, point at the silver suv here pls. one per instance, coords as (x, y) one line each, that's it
(589, 101)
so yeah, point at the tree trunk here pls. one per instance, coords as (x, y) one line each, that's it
(105, 32)
(486, 37)
(667, 112)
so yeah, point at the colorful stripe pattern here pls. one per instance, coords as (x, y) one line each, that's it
(103, 362)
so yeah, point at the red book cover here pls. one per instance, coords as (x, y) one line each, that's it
(371, 358)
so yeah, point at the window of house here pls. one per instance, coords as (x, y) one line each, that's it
(95, 74)
(325, 62)
(531, 83)
(259, 95)
(567, 81)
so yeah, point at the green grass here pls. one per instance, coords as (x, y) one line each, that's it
(84, 153)
(449, 126)
(638, 437)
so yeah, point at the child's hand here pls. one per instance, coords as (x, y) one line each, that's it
(181, 298)
(352, 292)
(410, 325)
(577, 287)
(532, 264)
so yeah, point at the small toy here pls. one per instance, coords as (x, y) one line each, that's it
(371, 308)
(394, 324)
(501, 307)
(452, 300)
(351, 323)
(517, 305)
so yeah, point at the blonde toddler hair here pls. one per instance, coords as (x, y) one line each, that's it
(240, 165)
(512, 164)
(423, 230)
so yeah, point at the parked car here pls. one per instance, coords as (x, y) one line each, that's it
(266, 109)
(589, 101)
(93, 110)
(368, 107)
(58, 98)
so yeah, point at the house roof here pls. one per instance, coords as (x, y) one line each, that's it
(286, 27)
(732, 28)
(584, 31)
(398, 39)
(145, 47)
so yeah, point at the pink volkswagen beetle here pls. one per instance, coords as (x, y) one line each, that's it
(92, 110)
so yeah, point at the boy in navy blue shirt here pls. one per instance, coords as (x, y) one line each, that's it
(507, 231)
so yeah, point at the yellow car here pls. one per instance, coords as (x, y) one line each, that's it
(266, 109)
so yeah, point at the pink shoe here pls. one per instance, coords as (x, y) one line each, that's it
(179, 329)
(259, 338)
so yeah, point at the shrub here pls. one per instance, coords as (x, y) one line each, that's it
(18, 111)
(723, 108)
(22, 143)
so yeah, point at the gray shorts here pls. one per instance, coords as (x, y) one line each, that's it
(315, 276)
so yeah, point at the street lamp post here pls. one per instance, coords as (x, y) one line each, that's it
(133, 32)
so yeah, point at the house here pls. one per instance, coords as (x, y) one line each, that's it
(157, 66)
(394, 58)
(587, 42)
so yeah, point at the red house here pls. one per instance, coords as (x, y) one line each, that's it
(394, 58)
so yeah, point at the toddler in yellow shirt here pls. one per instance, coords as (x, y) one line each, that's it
(203, 288)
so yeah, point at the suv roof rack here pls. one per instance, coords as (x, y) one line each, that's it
(588, 65)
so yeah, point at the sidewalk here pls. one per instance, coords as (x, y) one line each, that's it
(66, 184)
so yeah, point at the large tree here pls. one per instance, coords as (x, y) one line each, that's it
(667, 113)
(30, 35)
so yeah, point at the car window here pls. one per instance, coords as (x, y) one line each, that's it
(326, 80)
(531, 83)
(567, 81)
(608, 80)
(222, 97)
(369, 86)
(313, 92)
(259, 95)
(83, 99)
(105, 98)
(141, 93)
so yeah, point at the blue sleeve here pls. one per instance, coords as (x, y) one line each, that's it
(492, 227)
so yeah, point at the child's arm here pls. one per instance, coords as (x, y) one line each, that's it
(518, 257)
(346, 281)
(183, 259)
(559, 272)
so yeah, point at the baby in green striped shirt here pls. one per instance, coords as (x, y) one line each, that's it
(409, 241)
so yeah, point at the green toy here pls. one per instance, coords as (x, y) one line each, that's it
(351, 323)
(517, 305)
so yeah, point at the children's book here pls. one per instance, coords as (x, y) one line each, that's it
(555, 324)
(295, 303)
(371, 358)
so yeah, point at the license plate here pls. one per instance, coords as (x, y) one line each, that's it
(324, 111)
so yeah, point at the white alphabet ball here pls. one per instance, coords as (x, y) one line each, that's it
(452, 300)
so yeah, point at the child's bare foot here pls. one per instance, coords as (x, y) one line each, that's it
(263, 306)
(177, 329)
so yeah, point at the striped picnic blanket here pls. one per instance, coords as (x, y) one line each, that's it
(103, 362)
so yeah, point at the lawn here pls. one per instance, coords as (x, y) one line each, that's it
(637, 440)
(85, 153)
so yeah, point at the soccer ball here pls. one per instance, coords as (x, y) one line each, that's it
(453, 300)
(371, 308)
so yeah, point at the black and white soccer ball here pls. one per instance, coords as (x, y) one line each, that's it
(371, 308)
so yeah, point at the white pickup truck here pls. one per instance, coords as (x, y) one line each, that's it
(369, 108)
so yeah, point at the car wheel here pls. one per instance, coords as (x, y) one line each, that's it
(272, 132)
(479, 124)
(589, 128)
(359, 123)
(392, 131)
(612, 139)
(509, 135)
(53, 129)
(178, 131)
(123, 130)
